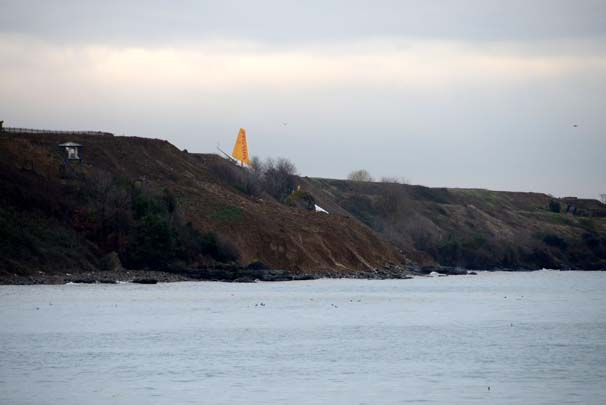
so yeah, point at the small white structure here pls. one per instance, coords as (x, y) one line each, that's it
(603, 198)
(72, 150)
(320, 209)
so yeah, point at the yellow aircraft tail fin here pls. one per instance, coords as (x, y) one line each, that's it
(240, 152)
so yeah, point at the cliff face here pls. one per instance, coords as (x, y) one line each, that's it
(476, 229)
(154, 206)
(59, 218)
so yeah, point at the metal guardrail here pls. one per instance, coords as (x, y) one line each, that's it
(50, 131)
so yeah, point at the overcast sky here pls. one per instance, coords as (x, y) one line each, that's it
(467, 93)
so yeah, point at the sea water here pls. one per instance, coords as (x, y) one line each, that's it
(494, 338)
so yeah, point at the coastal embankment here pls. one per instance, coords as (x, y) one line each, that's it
(141, 205)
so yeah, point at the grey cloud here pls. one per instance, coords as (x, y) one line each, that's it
(283, 21)
(513, 134)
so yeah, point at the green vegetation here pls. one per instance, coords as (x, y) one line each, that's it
(228, 214)
(362, 208)
(587, 224)
(158, 237)
(554, 206)
(275, 178)
(485, 196)
(301, 199)
(33, 239)
(145, 227)
(555, 241)
(473, 252)
(549, 217)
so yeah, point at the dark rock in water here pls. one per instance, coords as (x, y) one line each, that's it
(305, 277)
(243, 275)
(145, 281)
(449, 271)
(442, 270)
(83, 281)
(452, 271)
(244, 280)
(426, 269)
(108, 281)
(472, 273)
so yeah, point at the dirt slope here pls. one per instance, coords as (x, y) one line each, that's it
(51, 216)
(34, 183)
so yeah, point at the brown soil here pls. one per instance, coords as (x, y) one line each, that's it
(33, 179)
(373, 229)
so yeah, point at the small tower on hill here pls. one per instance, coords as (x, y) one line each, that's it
(72, 160)
(72, 151)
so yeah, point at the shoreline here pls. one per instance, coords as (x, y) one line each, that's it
(238, 276)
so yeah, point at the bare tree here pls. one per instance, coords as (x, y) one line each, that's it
(395, 180)
(278, 178)
(256, 167)
(360, 175)
(286, 167)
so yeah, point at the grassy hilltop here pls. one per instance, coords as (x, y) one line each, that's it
(142, 204)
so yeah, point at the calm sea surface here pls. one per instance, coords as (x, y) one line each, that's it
(533, 338)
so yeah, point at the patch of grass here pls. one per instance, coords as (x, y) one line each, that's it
(301, 198)
(587, 224)
(550, 217)
(228, 214)
(490, 198)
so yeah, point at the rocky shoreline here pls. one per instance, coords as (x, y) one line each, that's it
(155, 276)
(227, 274)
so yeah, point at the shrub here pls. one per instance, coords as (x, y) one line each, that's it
(395, 180)
(151, 243)
(145, 227)
(274, 177)
(554, 206)
(277, 177)
(360, 175)
(301, 199)
(554, 241)
(388, 202)
(238, 177)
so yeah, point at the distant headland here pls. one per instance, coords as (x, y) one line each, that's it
(90, 206)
